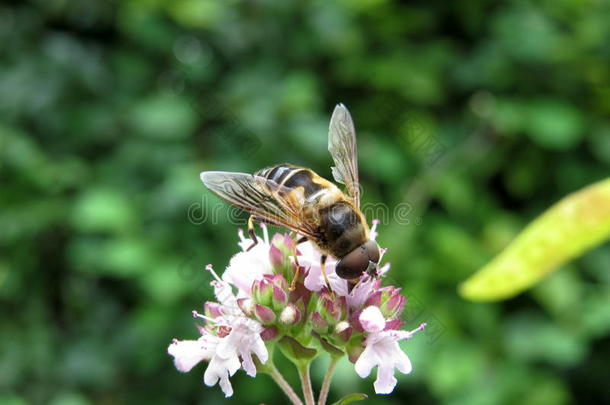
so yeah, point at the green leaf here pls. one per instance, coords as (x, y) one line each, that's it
(296, 351)
(268, 366)
(574, 225)
(332, 350)
(351, 398)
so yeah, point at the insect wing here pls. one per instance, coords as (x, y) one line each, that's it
(343, 149)
(265, 199)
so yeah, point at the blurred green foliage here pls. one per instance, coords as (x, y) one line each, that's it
(474, 115)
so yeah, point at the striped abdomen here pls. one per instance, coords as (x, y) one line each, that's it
(340, 227)
(292, 177)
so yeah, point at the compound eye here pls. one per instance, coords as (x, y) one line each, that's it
(372, 249)
(353, 264)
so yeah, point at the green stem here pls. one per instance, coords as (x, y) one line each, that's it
(306, 383)
(283, 384)
(327, 378)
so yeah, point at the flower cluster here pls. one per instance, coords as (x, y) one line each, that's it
(275, 294)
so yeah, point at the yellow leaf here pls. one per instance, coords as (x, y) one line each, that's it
(566, 230)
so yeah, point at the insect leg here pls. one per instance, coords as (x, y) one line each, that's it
(297, 273)
(294, 235)
(322, 267)
(293, 284)
(251, 233)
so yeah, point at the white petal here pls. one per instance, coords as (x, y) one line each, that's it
(309, 258)
(383, 269)
(247, 348)
(246, 267)
(244, 243)
(256, 346)
(220, 369)
(248, 364)
(233, 365)
(213, 372)
(403, 364)
(314, 280)
(224, 295)
(227, 347)
(260, 349)
(244, 340)
(308, 253)
(385, 382)
(366, 362)
(372, 319)
(382, 350)
(226, 387)
(337, 284)
(360, 292)
(400, 334)
(188, 353)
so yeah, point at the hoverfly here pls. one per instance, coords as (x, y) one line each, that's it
(302, 201)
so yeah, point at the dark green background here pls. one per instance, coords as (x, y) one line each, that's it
(473, 116)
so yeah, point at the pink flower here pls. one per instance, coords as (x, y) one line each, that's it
(310, 258)
(219, 370)
(243, 341)
(248, 266)
(188, 353)
(228, 341)
(372, 320)
(382, 350)
(362, 291)
(256, 309)
(274, 295)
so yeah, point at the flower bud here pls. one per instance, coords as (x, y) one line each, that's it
(354, 350)
(282, 247)
(318, 323)
(332, 308)
(355, 321)
(341, 326)
(276, 256)
(246, 305)
(290, 315)
(212, 309)
(269, 333)
(280, 298)
(264, 314)
(373, 299)
(262, 291)
(389, 301)
(344, 334)
(394, 324)
(328, 311)
(343, 330)
(271, 292)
